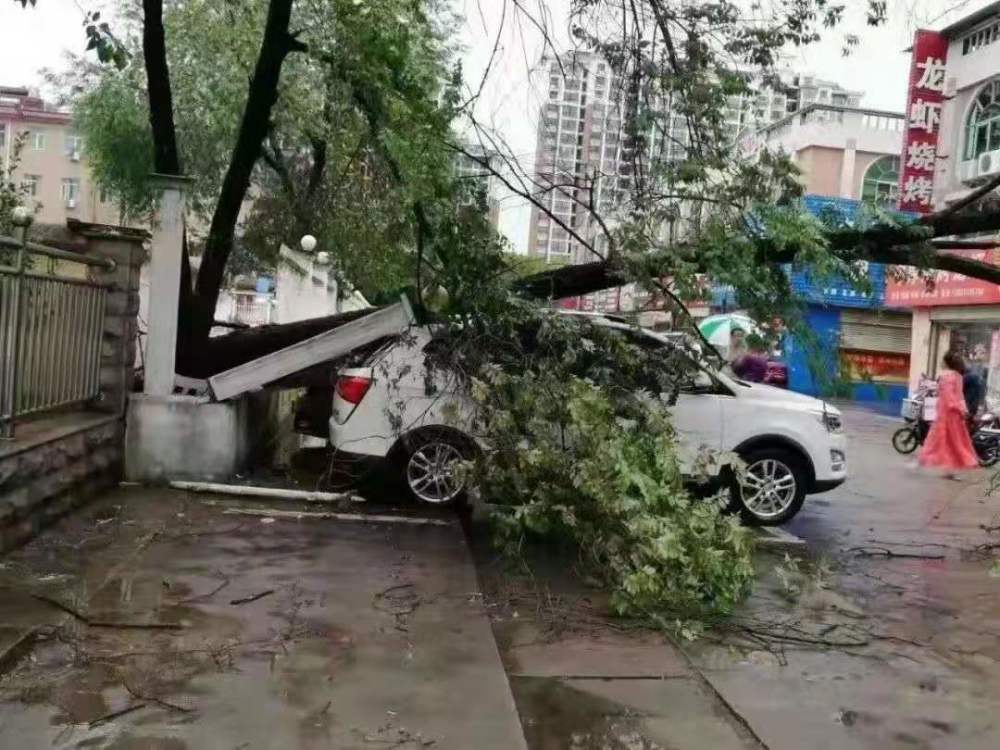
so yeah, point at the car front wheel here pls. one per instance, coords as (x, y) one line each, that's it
(772, 488)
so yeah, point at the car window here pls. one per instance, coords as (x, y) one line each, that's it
(679, 368)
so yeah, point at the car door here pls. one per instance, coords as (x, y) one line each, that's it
(697, 418)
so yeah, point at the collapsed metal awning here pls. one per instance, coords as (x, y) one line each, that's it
(255, 374)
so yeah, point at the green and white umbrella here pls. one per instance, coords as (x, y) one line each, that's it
(717, 329)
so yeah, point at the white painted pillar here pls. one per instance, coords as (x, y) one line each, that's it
(920, 346)
(165, 284)
(847, 167)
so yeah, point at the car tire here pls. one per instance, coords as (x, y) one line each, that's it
(772, 489)
(426, 463)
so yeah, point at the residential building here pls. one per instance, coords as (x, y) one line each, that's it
(954, 115)
(842, 151)
(588, 141)
(849, 159)
(477, 167)
(51, 163)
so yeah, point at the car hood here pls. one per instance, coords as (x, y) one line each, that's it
(783, 397)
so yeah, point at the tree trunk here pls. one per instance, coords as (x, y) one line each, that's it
(263, 93)
(161, 105)
(224, 352)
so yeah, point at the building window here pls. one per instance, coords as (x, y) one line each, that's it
(73, 146)
(881, 183)
(71, 191)
(981, 37)
(38, 140)
(30, 184)
(982, 129)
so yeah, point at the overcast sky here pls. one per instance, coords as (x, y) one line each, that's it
(38, 38)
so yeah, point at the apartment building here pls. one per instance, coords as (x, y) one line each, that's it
(51, 164)
(476, 169)
(587, 142)
(842, 151)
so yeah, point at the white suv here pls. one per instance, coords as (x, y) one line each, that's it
(417, 418)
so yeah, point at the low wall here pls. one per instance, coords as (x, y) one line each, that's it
(53, 466)
(189, 438)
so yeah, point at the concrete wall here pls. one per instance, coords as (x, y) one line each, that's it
(184, 437)
(58, 461)
(820, 170)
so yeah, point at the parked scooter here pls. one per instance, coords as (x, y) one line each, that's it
(919, 412)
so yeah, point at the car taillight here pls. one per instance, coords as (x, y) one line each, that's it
(353, 388)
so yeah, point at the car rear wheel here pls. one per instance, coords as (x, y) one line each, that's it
(772, 488)
(430, 468)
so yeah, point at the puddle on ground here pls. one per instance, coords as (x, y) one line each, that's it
(558, 717)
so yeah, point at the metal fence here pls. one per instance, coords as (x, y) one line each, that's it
(51, 326)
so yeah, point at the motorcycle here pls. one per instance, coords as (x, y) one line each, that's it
(986, 438)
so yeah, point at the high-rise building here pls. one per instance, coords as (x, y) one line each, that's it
(588, 142)
(476, 167)
(50, 162)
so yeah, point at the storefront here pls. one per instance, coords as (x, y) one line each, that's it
(855, 348)
(950, 310)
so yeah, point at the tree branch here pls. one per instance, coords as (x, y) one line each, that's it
(980, 192)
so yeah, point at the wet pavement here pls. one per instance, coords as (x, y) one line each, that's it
(209, 629)
(859, 649)
(159, 621)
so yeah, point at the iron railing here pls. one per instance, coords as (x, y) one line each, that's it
(51, 328)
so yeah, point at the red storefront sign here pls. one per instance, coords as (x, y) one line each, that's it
(944, 287)
(923, 121)
(881, 367)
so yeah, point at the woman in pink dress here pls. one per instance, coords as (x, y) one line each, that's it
(948, 445)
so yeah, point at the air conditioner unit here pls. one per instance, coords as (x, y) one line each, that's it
(968, 170)
(71, 203)
(981, 168)
(988, 164)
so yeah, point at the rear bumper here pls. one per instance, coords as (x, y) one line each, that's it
(347, 440)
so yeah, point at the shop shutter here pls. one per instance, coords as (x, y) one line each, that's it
(875, 331)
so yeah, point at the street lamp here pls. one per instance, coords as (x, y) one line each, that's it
(307, 243)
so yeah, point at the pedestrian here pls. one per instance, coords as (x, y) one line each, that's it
(974, 381)
(948, 445)
(752, 366)
(737, 345)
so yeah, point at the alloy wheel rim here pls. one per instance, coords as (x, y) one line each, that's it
(768, 488)
(430, 473)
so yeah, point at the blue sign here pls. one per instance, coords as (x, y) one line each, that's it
(835, 291)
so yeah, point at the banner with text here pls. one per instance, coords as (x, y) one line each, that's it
(905, 287)
(923, 121)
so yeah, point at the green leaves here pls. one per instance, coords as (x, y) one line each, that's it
(586, 457)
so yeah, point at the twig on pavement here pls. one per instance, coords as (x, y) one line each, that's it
(116, 714)
(76, 614)
(207, 595)
(159, 701)
(255, 597)
(888, 553)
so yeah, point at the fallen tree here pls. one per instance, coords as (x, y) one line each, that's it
(932, 243)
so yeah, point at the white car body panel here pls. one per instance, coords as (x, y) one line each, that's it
(405, 396)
